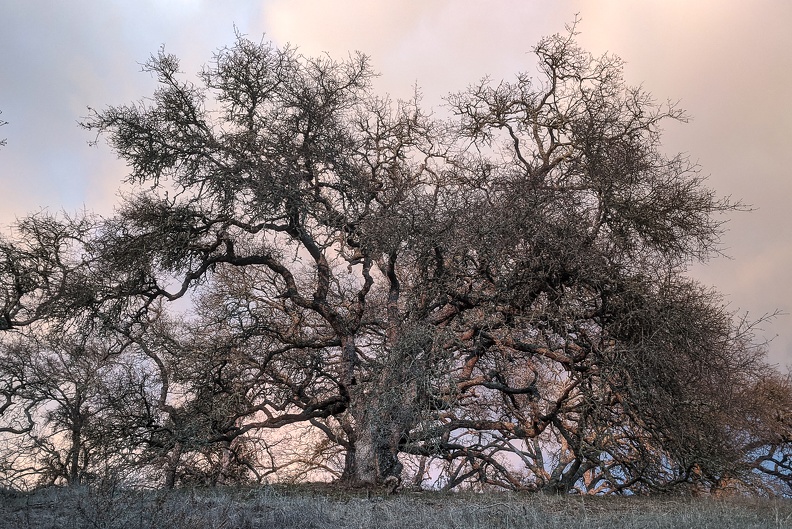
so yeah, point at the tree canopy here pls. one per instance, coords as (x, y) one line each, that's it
(495, 298)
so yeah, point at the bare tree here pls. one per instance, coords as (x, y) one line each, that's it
(60, 395)
(501, 294)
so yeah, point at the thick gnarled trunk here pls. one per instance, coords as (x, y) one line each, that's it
(372, 459)
(372, 456)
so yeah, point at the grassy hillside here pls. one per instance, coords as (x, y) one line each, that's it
(307, 508)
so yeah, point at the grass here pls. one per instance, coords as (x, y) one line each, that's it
(320, 508)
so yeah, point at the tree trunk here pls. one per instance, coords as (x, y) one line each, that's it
(172, 465)
(371, 460)
(374, 438)
(73, 466)
(73, 458)
(373, 457)
(366, 461)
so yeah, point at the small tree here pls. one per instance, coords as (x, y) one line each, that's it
(60, 394)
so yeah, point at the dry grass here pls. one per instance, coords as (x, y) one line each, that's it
(310, 507)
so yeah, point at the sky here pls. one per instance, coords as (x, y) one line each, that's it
(728, 63)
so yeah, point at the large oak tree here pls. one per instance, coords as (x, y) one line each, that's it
(500, 293)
